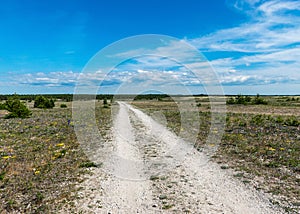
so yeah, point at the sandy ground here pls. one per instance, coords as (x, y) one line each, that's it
(151, 170)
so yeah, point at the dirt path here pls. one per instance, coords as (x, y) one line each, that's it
(151, 170)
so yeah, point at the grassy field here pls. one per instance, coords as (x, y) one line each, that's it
(261, 144)
(41, 161)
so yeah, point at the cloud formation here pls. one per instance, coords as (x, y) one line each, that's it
(265, 49)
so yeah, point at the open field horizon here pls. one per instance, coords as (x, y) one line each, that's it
(259, 149)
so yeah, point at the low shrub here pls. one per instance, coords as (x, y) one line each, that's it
(63, 105)
(43, 102)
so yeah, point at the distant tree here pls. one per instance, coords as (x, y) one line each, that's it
(16, 108)
(43, 102)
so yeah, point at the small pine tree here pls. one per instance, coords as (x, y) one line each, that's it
(16, 108)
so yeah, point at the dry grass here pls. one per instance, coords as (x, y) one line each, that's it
(41, 161)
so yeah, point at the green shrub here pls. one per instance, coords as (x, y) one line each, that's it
(16, 108)
(292, 121)
(63, 105)
(89, 165)
(245, 100)
(2, 175)
(43, 102)
(2, 106)
(258, 119)
(259, 101)
(105, 101)
(239, 99)
(279, 119)
(230, 101)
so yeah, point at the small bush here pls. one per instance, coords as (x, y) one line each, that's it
(230, 101)
(2, 175)
(16, 108)
(292, 121)
(88, 165)
(105, 101)
(245, 100)
(63, 105)
(43, 102)
(239, 99)
(258, 119)
(2, 106)
(259, 101)
(279, 119)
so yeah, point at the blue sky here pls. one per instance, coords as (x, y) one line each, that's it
(252, 45)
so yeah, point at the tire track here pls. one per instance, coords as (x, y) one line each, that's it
(126, 190)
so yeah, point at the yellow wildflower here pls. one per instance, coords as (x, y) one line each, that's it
(6, 157)
(60, 144)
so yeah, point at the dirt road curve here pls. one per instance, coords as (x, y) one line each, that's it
(151, 170)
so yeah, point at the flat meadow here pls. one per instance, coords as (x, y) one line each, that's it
(41, 161)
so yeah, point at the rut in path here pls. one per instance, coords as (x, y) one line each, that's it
(151, 170)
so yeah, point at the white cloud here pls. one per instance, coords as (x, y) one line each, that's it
(271, 7)
(268, 44)
(142, 71)
(231, 70)
(52, 79)
(268, 31)
(235, 79)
